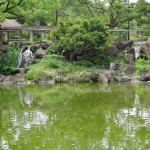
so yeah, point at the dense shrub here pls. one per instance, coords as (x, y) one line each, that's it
(9, 59)
(80, 37)
(142, 65)
(61, 70)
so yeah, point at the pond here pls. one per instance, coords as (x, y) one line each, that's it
(75, 117)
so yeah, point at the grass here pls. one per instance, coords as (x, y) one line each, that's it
(141, 65)
(60, 70)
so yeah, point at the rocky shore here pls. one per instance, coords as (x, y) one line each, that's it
(104, 75)
(128, 51)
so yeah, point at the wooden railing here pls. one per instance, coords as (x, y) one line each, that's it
(27, 28)
(130, 34)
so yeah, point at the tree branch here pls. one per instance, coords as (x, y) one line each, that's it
(2, 3)
(12, 7)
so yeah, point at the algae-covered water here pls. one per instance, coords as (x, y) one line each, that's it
(75, 117)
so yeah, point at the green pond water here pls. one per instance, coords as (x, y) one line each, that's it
(75, 117)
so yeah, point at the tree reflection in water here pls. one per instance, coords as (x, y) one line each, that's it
(66, 116)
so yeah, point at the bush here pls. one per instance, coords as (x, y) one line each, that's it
(80, 37)
(9, 60)
(61, 70)
(142, 65)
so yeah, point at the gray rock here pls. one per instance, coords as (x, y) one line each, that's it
(10, 80)
(145, 76)
(145, 49)
(45, 80)
(2, 77)
(3, 47)
(114, 65)
(40, 53)
(122, 79)
(38, 45)
(129, 69)
(135, 79)
(22, 81)
(106, 76)
(94, 77)
(122, 45)
(112, 51)
(128, 58)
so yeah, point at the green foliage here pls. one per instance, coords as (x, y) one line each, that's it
(52, 61)
(12, 55)
(122, 62)
(78, 77)
(141, 65)
(143, 9)
(9, 60)
(58, 68)
(84, 63)
(81, 37)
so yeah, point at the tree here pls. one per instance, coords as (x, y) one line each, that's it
(115, 12)
(85, 38)
(8, 8)
(143, 17)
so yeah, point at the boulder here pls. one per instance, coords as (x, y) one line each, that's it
(128, 58)
(122, 45)
(38, 45)
(44, 45)
(135, 80)
(145, 49)
(40, 53)
(114, 65)
(145, 76)
(3, 47)
(122, 79)
(22, 81)
(10, 80)
(43, 80)
(112, 51)
(131, 50)
(2, 77)
(106, 76)
(94, 77)
(129, 69)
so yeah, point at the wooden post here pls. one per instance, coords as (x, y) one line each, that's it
(7, 36)
(32, 36)
(43, 35)
(20, 35)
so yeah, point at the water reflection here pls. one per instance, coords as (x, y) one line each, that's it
(25, 97)
(89, 116)
(129, 121)
(20, 120)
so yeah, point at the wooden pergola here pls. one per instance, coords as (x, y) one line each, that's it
(11, 25)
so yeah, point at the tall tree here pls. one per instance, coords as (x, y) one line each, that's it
(8, 8)
(143, 11)
(116, 12)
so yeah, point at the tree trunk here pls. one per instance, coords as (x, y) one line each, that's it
(0, 36)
